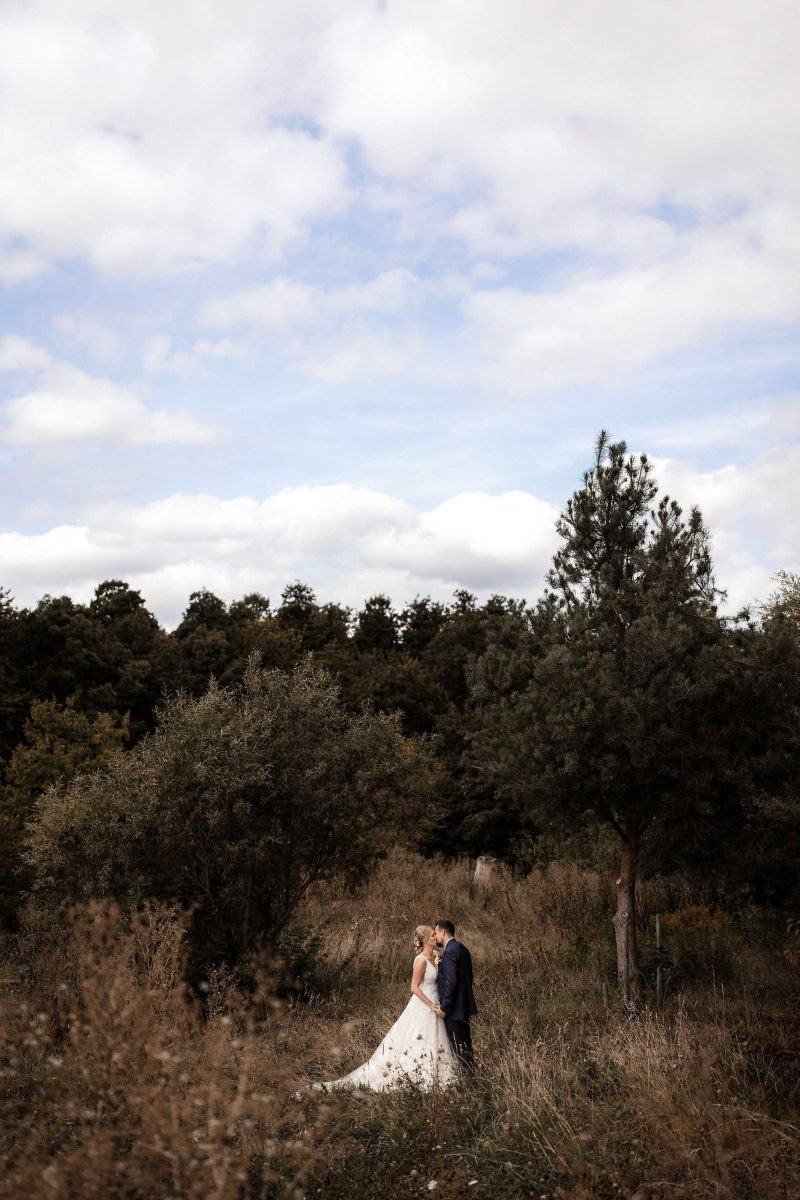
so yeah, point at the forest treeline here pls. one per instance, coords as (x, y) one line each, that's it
(83, 681)
(623, 718)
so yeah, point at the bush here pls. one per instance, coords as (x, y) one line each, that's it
(233, 808)
(700, 941)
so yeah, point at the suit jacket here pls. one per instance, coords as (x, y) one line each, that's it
(455, 982)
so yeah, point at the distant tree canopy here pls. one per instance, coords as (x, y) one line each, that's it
(111, 658)
(234, 805)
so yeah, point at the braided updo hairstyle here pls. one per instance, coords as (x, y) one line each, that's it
(421, 935)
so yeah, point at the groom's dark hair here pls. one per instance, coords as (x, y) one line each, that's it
(447, 925)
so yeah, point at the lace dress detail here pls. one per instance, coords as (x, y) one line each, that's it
(415, 1050)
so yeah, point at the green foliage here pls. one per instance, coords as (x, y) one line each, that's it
(376, 627)
(235, 805)
(59, 741)
(307, 966)
(13, 701)
(621, 701)
(700, 941)
(784, 603)
(628, 701)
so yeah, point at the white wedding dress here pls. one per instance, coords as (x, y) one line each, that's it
(415, 1050)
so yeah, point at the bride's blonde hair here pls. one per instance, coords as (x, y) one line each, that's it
(421, 935)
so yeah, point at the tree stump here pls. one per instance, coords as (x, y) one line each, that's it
(484, 868)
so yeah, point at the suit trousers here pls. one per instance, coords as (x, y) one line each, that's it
(460, 1036)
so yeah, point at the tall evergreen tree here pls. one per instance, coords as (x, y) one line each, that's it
(140, 654)
(639, 707)
(376, 629)
(203, 639)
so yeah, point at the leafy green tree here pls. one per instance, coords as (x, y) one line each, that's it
(328, 628)
(139, 653)
(469, 817)
(376, 627)
(637, 707)
(14, 702)
(67, 655)
(319, 626)
(420, 621)
(235, 805)
(203, 640)
(297, 607)
(59, 741)
(252, 607)
(254, 629)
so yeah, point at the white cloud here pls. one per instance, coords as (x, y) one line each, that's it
(656, 149)
(20, 266)
(21, 354)
(751, 510)
(91, 333)
(147, 142)
(219, 348)
(768, 421)
(159, 357)
(285, 305)
(144, 142)
(69, 406)
(348, 541)
(334, 333)
(359, 356)
(478, 537)
(570, 124)
(273, 307)
(602, 327)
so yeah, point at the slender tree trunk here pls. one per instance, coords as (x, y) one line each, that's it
(659, 967)
(625, 925)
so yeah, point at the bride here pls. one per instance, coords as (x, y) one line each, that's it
(416, 1049)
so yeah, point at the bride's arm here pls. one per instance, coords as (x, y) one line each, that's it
(416, 980)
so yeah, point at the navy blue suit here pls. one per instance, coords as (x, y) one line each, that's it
(457, 1001)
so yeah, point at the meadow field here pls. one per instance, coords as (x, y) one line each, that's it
(119, 1082)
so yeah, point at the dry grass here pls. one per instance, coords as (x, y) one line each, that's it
(116, 1087)
(575, 1098)
(113, 1085)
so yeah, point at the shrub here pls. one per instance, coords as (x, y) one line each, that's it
(700, 940)
(234, 807)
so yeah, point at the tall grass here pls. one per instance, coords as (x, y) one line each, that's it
(116, 1083)
(113, 1084)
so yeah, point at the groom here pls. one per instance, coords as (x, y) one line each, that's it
(456, 1001)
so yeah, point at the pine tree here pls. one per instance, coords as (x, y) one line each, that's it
(638, 706)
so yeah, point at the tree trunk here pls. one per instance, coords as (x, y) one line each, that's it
(483, 871)
(659, 967)
(625, 926)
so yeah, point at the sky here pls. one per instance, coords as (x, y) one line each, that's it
(344, 290)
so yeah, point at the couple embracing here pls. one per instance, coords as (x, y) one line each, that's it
(430, 1044)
